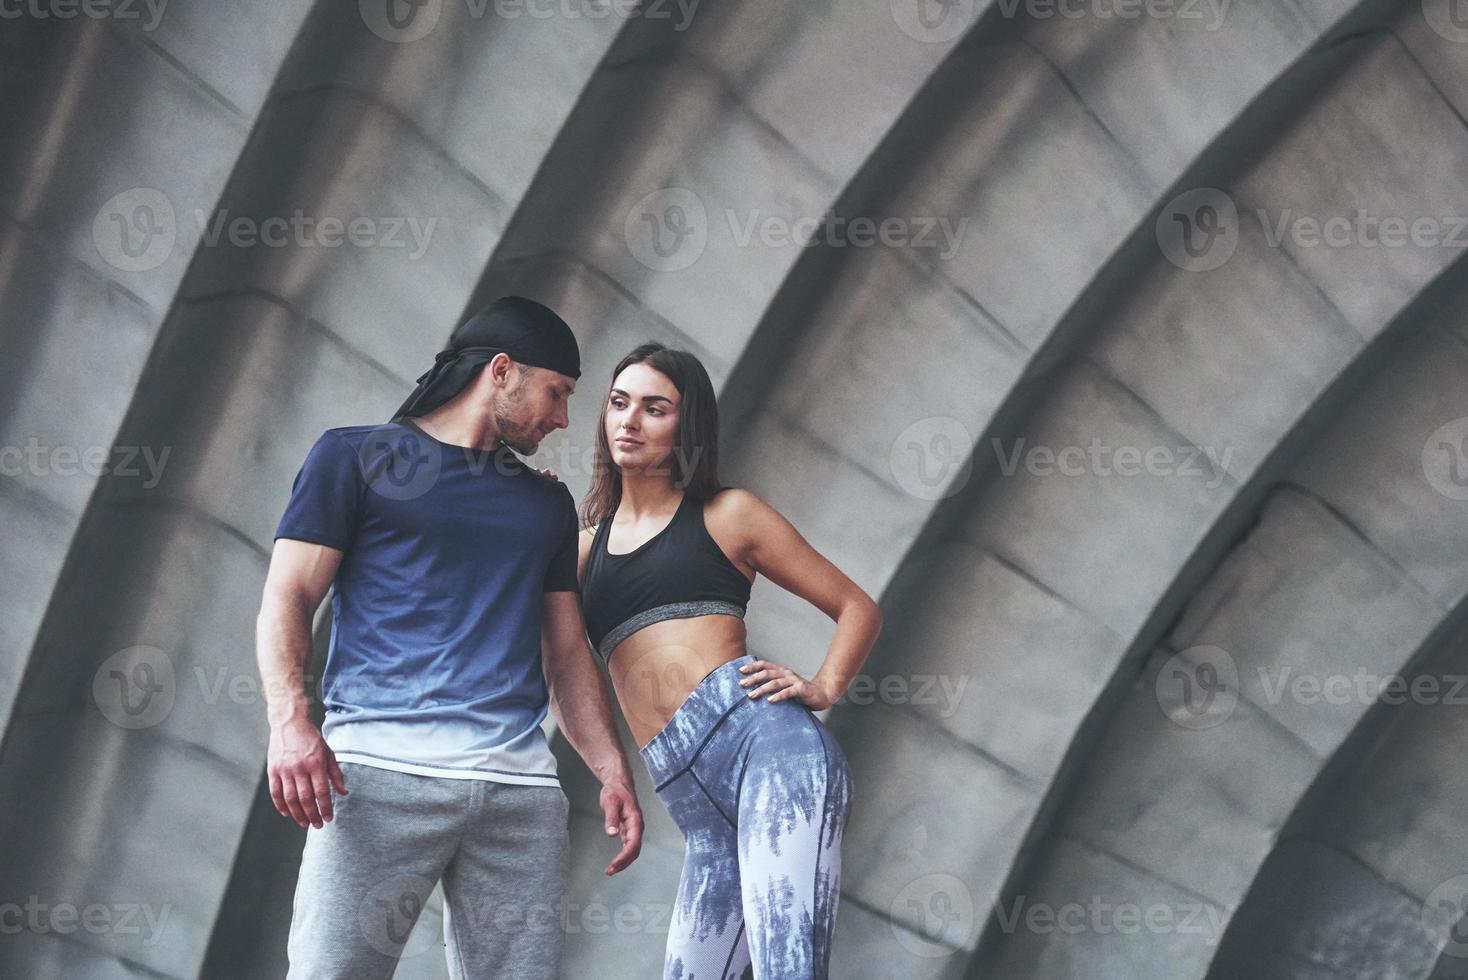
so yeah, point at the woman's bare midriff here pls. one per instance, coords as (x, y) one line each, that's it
(655, 669)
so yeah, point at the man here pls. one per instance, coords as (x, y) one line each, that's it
(456, 625)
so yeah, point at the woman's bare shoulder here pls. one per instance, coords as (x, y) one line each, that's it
(739, 502)
(739, 513)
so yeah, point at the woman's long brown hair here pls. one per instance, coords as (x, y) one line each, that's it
(694, 463)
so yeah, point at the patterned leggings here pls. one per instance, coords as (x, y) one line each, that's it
(762, 793)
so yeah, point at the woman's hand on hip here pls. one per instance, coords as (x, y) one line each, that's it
(780, 682)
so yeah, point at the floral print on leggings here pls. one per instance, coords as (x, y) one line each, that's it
(761, 793)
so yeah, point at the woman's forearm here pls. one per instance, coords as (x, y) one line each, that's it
(857, 627)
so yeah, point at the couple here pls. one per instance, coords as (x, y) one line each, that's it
(462, 577)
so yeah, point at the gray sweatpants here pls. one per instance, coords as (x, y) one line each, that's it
(500, 848)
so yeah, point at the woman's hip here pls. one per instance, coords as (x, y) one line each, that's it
(723, 749)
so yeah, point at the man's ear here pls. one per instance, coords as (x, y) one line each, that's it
(498, 371)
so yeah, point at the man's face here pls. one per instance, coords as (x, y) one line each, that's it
(534, 407)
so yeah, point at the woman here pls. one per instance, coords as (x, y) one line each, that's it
(758, 787)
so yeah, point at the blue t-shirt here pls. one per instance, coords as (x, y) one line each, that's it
(434, 664)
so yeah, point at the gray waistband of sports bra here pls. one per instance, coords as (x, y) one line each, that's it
(670, 610)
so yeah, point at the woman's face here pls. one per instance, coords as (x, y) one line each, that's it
(641, 418)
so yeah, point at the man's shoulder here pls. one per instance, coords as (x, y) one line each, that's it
(356, 435)
(368, 442)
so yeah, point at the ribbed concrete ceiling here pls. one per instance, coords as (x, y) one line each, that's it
(1052, 183)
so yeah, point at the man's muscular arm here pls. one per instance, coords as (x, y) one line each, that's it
(582, 708)
(298, 761)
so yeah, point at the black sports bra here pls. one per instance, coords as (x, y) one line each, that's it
(681, 571)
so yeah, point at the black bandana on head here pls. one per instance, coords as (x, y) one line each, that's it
(526, 330)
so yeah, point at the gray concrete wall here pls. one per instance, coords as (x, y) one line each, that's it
(1082, 663)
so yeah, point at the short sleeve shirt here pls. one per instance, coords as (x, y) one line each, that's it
(434, 663)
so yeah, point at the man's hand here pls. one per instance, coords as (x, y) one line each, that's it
(300, 763)
(619, 804)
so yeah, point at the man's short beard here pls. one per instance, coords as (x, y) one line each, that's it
(512, 434)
